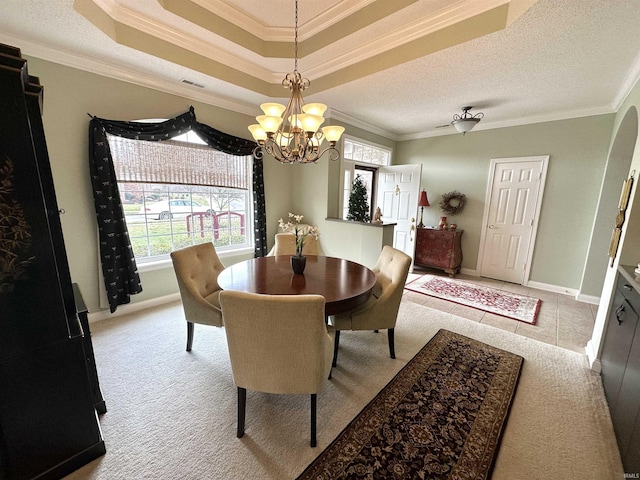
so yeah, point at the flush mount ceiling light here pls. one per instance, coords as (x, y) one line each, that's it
(292, 134)
(466, 121)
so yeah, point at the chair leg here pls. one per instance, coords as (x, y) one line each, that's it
(314, 401)
(242, 408)
(189, 335)
(392, 348)
(335, 348)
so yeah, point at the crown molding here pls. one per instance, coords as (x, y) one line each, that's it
(122, 14)
(421, 28)
(484, 125)
(105, 69)
(252, 24)
(630, 81)
(356, 122)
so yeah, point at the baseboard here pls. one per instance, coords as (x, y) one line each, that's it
(133, 307)
(553, 288)
(592, 299)
(594, 362)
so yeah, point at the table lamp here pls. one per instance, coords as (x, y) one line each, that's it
(423, 201)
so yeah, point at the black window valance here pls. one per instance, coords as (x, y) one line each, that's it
(118, 262)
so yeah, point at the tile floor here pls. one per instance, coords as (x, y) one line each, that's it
(562, 321)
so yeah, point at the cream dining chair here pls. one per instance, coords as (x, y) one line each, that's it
(277, 344)
(197, 269)
(286, 245)
(381, 310)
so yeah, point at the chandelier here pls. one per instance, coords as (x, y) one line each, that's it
(466, 121)
(292, 134)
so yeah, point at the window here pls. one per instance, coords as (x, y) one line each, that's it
(360, 158)
(181, 192)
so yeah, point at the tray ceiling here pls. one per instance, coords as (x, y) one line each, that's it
(401, 68)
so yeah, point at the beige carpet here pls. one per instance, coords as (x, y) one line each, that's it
(172, 414)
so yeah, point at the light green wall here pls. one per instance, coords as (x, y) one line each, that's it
(70, 94)
(577, 148)
(316, 194)
(578, 152)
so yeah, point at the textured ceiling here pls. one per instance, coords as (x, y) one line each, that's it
(401, 68)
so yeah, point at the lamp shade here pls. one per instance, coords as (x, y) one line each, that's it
(465, 122)
(314, 108)
(463, 125)
(332, 132)
(269, 123)
(273, 109)
(423, 201)
(257, 132)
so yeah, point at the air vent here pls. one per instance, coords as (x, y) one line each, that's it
(193, 84)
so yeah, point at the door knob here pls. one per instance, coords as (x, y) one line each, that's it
(492, 226)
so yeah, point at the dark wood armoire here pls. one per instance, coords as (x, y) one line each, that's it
(48, 423)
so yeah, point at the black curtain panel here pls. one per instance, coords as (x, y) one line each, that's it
(259, 209)
(118, 262)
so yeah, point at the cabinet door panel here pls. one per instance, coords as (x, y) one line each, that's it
(629, 398)
(631, 457)
(616, 348)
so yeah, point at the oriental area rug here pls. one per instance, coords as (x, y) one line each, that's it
(506, 304)
(441, 417)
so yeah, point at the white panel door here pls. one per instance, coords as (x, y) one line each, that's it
(515, 195)
(397, 196)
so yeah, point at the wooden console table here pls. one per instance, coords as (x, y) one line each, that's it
(439, 249)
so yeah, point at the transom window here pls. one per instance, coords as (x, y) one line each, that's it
(363, 159)
(181, 192)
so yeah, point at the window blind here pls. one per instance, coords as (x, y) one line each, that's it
(176, 162)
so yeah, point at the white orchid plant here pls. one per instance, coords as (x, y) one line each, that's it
(293, 223)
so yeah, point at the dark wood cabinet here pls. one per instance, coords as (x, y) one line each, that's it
(92, 371)
(437, 248)
(620, 365)
(48, 423)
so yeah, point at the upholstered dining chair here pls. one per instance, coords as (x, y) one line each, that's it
(381, 310)
(197, 269)
(286, 245)
(277, 344)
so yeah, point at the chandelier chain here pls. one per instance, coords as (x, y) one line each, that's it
(295, 40)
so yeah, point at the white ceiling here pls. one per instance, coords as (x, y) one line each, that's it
(559, 59)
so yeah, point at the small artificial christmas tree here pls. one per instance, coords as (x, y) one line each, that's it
(358, 204)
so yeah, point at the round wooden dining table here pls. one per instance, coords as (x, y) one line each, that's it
(343, 284)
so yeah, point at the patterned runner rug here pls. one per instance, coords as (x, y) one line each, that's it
(507, 304)
(441, 417)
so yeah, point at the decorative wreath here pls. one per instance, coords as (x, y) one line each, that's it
(452, 203)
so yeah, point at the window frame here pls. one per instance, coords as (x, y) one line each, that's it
(349, 165)
(149, 263)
